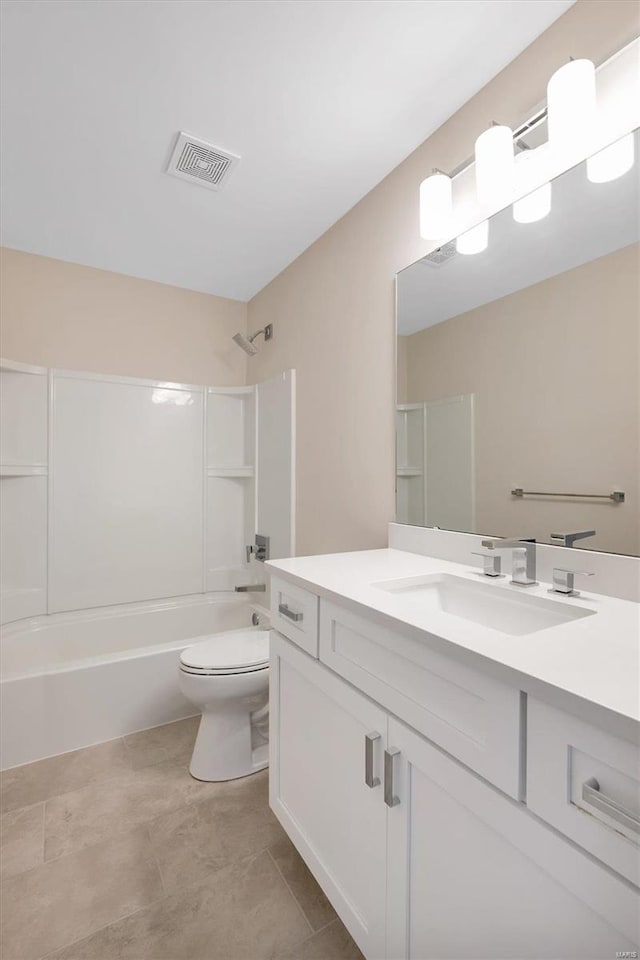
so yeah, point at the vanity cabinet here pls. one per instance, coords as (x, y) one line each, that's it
(585, 782)
(294, 613)
(318, 739)
(472, 876)
(421, 858)
(472, 716)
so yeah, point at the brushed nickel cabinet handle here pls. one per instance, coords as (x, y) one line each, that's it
(369, 742)
(591, 795)
(286, 611)
(389, 762)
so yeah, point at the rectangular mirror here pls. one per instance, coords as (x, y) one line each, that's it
(518, 374)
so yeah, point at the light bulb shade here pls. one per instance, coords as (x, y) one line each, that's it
(474, 240)
(612, 162)
(536, 204)
(571, 104)
(494, 165)
(436, 206)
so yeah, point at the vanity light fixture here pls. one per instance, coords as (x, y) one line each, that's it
(612, 162)
(436, 206)
(494, 165)
(536, 205)
(573, 126)
(475, 240)
(571, 105)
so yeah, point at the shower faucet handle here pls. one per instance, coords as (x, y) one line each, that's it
(259, 549)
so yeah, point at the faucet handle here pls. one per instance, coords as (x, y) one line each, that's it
(563, 581)
(491, 563)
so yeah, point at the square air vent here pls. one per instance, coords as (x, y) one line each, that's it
(201, 162)
(440, 255)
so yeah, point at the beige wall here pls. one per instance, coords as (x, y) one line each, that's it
(555, 373)
(333, 308)
(60, 314)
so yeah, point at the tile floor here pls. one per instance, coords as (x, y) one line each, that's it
(116, 852)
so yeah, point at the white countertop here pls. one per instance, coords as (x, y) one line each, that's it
(595, 658)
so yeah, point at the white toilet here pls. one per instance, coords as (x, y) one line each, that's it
(227, 677)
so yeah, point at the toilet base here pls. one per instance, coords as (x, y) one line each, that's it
(223, 748)
(260, 761)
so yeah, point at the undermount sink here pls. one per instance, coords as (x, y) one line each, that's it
(498, 607)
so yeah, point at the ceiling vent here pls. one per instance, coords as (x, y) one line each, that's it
(441, 254)
(201, 162)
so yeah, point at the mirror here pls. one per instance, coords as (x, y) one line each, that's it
(518, 374)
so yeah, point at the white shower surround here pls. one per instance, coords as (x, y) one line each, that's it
(119, 490)
(71, 680)
(126, 508)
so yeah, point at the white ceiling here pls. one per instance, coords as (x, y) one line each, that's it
(587, 221)
(321, 99)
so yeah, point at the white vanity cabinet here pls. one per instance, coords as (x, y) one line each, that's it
(474, 717)
(425, 851)
(318, 735)
(472, 876)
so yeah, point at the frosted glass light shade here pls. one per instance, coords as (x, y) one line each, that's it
(494, 165)
(612, 162)
(474, 240)
(537, 204)
(571, 104)
(436, 206)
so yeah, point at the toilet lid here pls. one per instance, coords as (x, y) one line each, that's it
(233, 650)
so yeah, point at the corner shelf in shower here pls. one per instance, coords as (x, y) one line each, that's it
(408, 472)
(23, 470)
(237, 472)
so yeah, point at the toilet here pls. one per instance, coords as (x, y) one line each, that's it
(227, 677)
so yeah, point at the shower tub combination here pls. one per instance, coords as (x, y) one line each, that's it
(70, 680)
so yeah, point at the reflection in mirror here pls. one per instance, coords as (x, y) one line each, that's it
(518, 374)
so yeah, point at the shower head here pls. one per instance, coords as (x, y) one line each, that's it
(247, 342)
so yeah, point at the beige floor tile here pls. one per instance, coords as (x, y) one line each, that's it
(21, 840)
(23, 786)
(331, 943)
(302, 883)
(244, 912)
(172, 741)
(97, 812)
(204, 836)
(56, 903)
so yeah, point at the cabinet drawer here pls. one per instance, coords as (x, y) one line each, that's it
(586, 783)
(294, 613)
(475, 718)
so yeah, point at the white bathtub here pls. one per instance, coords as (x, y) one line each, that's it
(74, 679)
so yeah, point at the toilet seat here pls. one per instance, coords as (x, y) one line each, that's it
(234, 652)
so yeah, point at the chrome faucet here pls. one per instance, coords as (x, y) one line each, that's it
(523, 574)
(568, 539)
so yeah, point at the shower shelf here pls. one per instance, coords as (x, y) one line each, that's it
(243, 471)
(23, 470)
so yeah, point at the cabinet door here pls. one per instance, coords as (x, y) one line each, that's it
(472, 874)
(318, 748)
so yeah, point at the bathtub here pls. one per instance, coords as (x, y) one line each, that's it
(71, 680)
